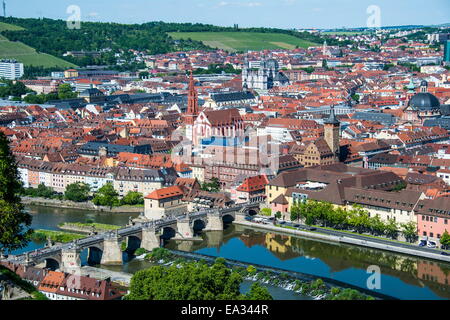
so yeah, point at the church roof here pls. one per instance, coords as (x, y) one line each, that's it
(424, 101)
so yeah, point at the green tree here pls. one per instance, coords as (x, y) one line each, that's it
(445, 240)
(106, 196)
(133, 198)
(295, 212)
(409, 230)
(278, 215)
(359, 219)
(258, 292)
(78, 192)
(392, 229)
(266, 212)
(188, 281)
(377, 226)
(14, 221)
(213, 186)
(65, 92)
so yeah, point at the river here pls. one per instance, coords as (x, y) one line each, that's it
(403, 277)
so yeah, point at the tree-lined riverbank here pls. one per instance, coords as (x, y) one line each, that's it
(55, 203)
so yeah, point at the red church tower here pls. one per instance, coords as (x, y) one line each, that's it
(192, 110)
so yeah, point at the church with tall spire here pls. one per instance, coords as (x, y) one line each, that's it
(192, 109)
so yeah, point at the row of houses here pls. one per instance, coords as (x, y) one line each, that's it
(59, 175)
(374, 190)
(64, 286)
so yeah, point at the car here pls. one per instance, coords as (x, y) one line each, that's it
(296, 225)
(312, 228)
(431, 244)
(282, 222)
(422, 243)
(445, 253)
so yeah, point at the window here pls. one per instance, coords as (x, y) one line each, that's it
(424, 233)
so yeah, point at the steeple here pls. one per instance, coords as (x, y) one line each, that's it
(332, 119)
(192, 109)
(192, 97)
(332, 128)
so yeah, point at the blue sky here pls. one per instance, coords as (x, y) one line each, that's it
(246, 13)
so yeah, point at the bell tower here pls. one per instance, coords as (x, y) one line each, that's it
(192, 109)
(332, 128)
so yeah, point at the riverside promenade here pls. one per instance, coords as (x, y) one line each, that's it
(353, 239)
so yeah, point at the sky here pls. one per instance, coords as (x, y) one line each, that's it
(247, 13)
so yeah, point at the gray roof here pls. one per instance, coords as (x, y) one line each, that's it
(443, 122)
(383, 118)
(232, 96)
(424, 101)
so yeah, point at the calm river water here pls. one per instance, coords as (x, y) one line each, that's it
(403, 277)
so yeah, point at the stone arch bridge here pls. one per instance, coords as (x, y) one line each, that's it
(106, 248)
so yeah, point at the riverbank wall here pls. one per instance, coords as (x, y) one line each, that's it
(89, 206)
(348, 240)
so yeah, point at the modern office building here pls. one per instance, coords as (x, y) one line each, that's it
(11, 69)
(447, 51)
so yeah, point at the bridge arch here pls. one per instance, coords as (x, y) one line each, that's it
(168, 233)
(198, 225)
(133, 243)
(94, 255)
(228, 218)
(52, 264)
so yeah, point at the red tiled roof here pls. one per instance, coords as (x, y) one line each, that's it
(165, 193)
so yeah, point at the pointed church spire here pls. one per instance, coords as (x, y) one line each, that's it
(192, 97)
(332, 119)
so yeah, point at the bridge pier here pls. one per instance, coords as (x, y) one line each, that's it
(214, 239)
(185, 230)
(70, 260)
(215, 222)
(150, 240)
(112, 251)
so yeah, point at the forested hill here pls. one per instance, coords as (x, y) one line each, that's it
(55, 38)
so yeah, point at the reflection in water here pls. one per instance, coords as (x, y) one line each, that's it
(402, 276)
(49, 218)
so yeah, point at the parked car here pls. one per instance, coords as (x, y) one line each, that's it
(422, 243)
(296, 225)
(312, 228)
(282, 222)
(431, 244)
(445, 253)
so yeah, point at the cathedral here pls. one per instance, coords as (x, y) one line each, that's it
(265, 77)
(421, 106)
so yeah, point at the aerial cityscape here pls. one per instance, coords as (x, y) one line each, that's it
(237, 151)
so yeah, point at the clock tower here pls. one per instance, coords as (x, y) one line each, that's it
(332, 128)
